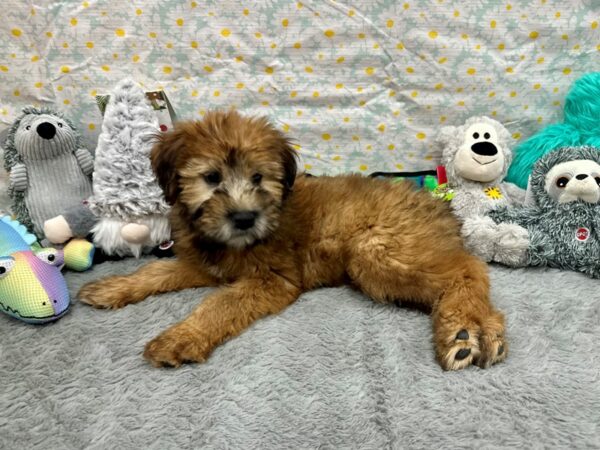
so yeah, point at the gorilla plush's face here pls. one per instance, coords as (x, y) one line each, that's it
(480, 157)
(574, 180)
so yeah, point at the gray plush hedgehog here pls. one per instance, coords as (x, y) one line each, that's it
(476, 156)
(50, 173)
(564, 220)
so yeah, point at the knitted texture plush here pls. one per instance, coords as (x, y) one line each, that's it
(50, 172)
(477, 156)
(127, 199)
(32, 288)
(581, 126)
(564, 221)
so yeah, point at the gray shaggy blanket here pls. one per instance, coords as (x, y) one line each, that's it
(333, 371)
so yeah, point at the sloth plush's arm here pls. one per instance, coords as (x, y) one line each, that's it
(521, 216)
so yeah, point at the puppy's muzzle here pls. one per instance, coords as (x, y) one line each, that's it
(243, 220)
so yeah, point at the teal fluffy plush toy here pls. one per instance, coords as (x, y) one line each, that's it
(581, 126)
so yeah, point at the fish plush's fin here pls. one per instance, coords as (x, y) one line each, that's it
(29, 238)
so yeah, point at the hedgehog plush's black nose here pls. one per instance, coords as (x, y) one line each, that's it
(484, 148)
(46, 130)
(581, 176)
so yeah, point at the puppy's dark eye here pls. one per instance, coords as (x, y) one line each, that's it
(257, 178)
(562, 182)
(475, 135)
(597, 180)
(28, 127)
(486, 135)
(213, 177)
(60, 125)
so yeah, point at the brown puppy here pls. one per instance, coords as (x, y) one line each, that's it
(240, 221)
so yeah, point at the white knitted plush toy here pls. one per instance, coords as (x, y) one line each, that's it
(128, 201)
(477, 156)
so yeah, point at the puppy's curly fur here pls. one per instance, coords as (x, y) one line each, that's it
(242, 220)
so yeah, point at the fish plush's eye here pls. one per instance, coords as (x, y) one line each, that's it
(6, 265)
(49, 256)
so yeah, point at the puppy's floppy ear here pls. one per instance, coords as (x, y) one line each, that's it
(165, 156)
(289, 164)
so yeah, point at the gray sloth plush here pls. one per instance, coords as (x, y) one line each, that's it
(564, 220)
(476, 156)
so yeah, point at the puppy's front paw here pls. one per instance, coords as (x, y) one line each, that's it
(178, 345)
(111, 292)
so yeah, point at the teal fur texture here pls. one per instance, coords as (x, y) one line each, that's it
(581, 126)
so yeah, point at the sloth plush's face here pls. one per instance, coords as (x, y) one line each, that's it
(574, 180)
(480, 157)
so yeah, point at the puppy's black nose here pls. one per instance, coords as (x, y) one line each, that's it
(46, 130)
(581, 176)
(243, 220)
(484, 148)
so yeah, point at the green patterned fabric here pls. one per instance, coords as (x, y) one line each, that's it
(363, 85)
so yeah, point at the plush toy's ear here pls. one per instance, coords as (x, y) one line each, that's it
(165, 157)
(445, 135)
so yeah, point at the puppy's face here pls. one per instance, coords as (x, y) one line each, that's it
(229, 174)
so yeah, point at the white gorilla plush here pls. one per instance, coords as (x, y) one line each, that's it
(477, 156)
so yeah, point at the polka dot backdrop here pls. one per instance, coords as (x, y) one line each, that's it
(361, 85)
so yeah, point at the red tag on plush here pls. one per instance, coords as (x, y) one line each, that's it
(582, 234)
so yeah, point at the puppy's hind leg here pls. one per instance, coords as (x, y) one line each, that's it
(153, 278)
(455, 287)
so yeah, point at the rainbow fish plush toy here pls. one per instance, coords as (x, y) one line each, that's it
(32, 288)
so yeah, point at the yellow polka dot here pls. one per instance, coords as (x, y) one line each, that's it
(264, 103)
(566, 71)
(39, 84)
(329, 33)
(400, 46)
(152, 34)
(443, 119)
(340, 60)
(406, 6)
(516, 135)
(135, 58)
(421, 135)
(557, 15)
(208, 69)
(363, 167)
(49, 34)
(464, 36)
(355, 138)
(389, 23)
(169, 45)
(410, 70)
(351, 12)
(92, 126)
(293, 94)
(120, 32)
(273, 45)
(509, 70)
(539, 119)
(540, 60)
(493, 24)
(297, 45)
(105, 68)
(594, 25)
(258, 35)
(456, 13)
(315, 94)
(216, 93)
(65, 45)
(433, 34)
(167, 69)
(414, 94)
(65, 69)
(239, 58)
(307, 166)
(471, 71)
(534, 35)
(362, 35)
(93, 93)
(442, 60)
(85, 4)
(308, 69)
(381, 127)
(193, 4)
(16, 93)
(565, 37)
(346, 119)
(269, 70)
(285, 23)
(370, 70)
(66, 101)
(239, 85)
(461, 103)
(513, 94)
(194, 44)
(326, 136)
(179, 22)
(225, 32)
(16, 32)
(73, 21)
(336, 158)
(339, 86)
(138, 12)
(261, 89)
(537, 86)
